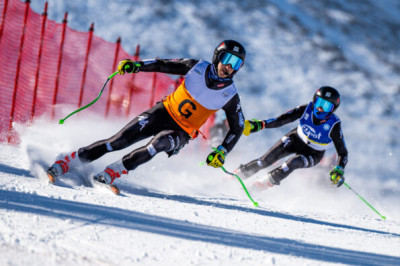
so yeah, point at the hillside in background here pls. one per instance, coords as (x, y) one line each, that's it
(293, 47)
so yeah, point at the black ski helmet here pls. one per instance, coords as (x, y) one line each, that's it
(329, 94)
(229, 46)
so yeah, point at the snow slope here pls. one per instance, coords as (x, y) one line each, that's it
(174, 212)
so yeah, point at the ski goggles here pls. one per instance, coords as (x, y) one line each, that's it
(325, 105)
(231, 59)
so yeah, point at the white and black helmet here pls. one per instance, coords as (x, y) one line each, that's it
(230, 52)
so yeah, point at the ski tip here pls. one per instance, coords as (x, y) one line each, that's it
(114, 189)
(52, 179)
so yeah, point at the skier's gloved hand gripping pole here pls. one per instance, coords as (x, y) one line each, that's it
(216, 159)
(337, 178)
(126, 65)
(254, 125)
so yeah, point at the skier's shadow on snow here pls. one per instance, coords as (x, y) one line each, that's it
(15, 171)
(110, 216)
(187, 199)
(69, 181)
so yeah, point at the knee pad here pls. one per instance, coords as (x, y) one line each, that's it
(160, 143)
(167, 141)
(307, 160)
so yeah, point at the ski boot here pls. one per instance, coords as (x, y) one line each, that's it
(63, 165)
(265, 183)
(107, 177)
(241, 173)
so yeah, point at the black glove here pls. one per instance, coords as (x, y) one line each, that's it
(217, 157)
(128, 66)
(251, 126)
(337, 176)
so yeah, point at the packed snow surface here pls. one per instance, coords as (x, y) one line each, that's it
(174, 212)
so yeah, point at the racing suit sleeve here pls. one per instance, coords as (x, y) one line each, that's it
(340, 146)
(235, 118)
(168, 66)
(286, 118)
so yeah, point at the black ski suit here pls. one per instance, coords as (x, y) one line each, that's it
(169, 135)
(291, 143)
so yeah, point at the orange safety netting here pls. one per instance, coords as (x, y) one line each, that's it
(44, 64)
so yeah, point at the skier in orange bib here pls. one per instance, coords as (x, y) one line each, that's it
(172, 122)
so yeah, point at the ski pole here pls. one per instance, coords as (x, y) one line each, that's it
(232, 174)
(241, 182)
(369, 205)
(86, 106)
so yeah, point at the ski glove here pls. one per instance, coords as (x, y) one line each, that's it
(254, 125)
(337, 176)
(128, 66)
(217, 157)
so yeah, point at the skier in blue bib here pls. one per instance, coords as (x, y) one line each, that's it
(317, 130)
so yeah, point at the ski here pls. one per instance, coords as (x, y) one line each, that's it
(51, 175)
(113, 188)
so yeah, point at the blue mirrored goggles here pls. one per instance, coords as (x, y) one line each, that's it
(228, 58)
(325, 105)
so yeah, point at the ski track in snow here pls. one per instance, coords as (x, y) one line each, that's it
(160, 219)
(132, 220)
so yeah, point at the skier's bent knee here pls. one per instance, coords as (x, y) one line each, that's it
(169, 142)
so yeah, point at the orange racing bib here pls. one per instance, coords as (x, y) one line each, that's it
(193, 102)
